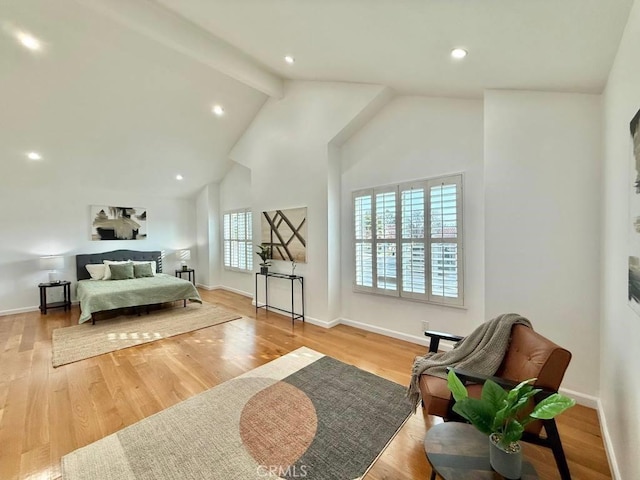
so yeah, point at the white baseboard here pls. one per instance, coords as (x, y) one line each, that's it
(322, 323)
(223, 287)
(385, 331)
(307, 318)
(233, 290)
(15, 311)
(581, 398)
(608, 444)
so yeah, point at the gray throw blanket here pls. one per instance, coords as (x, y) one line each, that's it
(481, 352)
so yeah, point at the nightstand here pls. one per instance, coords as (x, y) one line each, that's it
(66, 293)
(190, 271)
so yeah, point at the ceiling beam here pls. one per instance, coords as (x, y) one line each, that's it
(178, 33)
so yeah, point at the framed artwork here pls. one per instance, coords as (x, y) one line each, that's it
(634, 216)
(286, 232)
(118, 223)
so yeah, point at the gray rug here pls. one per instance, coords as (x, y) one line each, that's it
(71, 344)
(303, 415)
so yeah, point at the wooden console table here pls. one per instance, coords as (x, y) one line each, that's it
(293, 278)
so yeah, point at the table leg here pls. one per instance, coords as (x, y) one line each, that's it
(293, 317)
(67, 297)
(43, 300)
(302, 296)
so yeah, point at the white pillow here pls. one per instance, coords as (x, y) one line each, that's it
(152, 262)
(96, 270)
(107, 270)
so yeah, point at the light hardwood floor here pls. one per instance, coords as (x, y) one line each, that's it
(46, 413)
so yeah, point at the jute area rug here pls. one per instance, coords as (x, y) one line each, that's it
(304, 415)
(71, 344)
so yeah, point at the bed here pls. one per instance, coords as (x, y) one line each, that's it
(102, 295)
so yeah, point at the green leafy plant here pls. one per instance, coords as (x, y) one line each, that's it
(499, 412)
(264, 253)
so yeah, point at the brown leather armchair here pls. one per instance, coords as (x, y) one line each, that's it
(529, 355)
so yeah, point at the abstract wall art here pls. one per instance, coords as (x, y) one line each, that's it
(286, 232)
(634, 215)
(118, 223)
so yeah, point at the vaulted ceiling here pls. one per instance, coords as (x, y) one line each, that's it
(125, 87)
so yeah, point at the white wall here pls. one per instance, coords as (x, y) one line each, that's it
(620, 326)
(286, 148)
(414, 138)
(208, 236)
(334, 229)
(48, 221)
(542, 212)
(235, 193)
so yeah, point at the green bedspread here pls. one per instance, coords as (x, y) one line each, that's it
(100, 295)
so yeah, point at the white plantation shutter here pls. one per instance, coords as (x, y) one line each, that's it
(226, 235)
(414, 267)
(363, 218)
(408, 240)
(237, 240)
(386, 265)
(445, 239)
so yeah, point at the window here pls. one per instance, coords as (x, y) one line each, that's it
(408, 240)
(238, 240)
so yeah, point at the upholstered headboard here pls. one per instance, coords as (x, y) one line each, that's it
(117, 255)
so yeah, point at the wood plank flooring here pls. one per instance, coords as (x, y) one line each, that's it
(46, 413)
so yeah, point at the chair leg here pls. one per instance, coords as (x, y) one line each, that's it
(556, 447)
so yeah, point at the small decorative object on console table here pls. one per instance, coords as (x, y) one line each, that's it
(66, 296)
(265, 255)
(497, 413)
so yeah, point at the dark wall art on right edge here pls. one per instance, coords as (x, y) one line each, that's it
(634, 216)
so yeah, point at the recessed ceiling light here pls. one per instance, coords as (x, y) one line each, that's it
(34, 156)
(458, 53)
(179, 177)
(218, 110)
(289, 59)
(29, 41)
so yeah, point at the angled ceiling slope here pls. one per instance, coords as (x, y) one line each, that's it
(111, 108)
(566, 45)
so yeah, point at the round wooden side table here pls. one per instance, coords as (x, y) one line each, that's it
(458, 451)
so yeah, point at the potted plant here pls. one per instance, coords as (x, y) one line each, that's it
(265, 254)
(498, 414)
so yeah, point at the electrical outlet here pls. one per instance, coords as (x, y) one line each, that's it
(425, 326)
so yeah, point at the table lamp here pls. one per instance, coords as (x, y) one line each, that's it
(52, 263)
(184, 255)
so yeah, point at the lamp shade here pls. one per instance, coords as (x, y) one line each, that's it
(184, 255)
(52, 262)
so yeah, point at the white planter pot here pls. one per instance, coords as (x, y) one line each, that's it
(506, 463)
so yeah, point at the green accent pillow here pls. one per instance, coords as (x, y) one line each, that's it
(141, 270)
(121, 271)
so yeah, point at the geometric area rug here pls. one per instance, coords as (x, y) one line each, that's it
(70, 344)
(303, 415)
